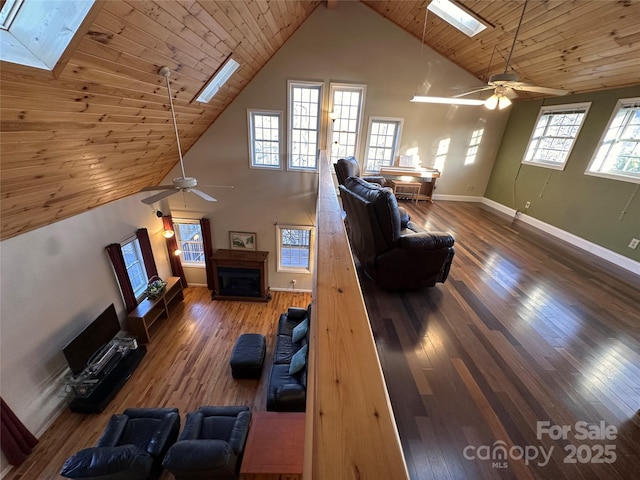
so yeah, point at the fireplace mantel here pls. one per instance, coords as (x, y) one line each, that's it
(240, 275)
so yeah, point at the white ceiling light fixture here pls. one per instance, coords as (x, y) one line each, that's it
(498, 99)
(456, 16)
(218, 80)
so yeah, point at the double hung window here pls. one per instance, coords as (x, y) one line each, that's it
(347, 103)
(554, 135)
(134, 264)
(189, 238)
(382, 143)
(295, 248)
(265, 138)
(618, 154)
(304, 124)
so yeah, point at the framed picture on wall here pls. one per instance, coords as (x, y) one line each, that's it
(242, 241)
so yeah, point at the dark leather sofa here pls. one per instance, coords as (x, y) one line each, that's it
(394, 252)
(287, 392)
(131, 447)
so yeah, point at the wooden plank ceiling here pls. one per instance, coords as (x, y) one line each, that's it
(100, 130)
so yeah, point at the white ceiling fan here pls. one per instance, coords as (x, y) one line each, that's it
(504, 85)
(180, 184)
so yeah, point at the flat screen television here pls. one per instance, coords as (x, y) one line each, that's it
(100, 332)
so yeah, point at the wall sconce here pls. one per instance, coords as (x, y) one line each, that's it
(168, 233)
(177, 252)
(333, 116)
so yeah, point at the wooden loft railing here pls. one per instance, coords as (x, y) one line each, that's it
(350, 431)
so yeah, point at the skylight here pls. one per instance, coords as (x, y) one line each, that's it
(218, 80)
(36, 33)
(457, 17)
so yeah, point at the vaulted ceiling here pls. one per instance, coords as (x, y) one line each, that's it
(98, 129)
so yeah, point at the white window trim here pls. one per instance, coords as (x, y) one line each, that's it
(363, 94)
(303, 83)
(179, 241)
(140, 295)
(556, 108)
(396, 146)
(613, 176)
(312, 242)
(252, 164)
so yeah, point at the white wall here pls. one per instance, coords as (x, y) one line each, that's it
(53, 282)
(350, 43)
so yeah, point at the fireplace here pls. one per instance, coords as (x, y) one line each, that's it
(240, 275)
(239, 282)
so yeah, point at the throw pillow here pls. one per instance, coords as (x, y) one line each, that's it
(300, 330)
(298, 360)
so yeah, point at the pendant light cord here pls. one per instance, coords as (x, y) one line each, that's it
(515, 37)
(424, 31)
(175, 125)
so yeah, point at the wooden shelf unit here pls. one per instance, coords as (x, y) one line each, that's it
(148, 311)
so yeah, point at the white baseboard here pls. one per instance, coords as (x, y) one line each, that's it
(290, 290)
(597, 250)
(457, 198)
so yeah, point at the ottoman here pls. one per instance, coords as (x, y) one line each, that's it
(248, 356)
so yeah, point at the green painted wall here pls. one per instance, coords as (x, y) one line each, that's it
(583, 205)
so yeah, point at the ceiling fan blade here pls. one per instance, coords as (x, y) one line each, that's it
(216, 186)
(159, 196)
(151, 188)
(533, 88)
(203, 195)
(487, 87)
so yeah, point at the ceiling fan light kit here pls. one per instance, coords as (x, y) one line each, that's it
(502, 84)
(180, 184)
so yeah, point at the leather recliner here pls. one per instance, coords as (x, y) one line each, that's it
(211, 444)
(349, 167)
(397, 255)
(131, 447)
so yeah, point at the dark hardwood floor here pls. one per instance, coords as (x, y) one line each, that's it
(525, 330)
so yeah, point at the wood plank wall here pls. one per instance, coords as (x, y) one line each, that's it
(351, 431)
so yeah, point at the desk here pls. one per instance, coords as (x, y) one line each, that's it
(402, 188)
(425, 176)
(275, 447)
